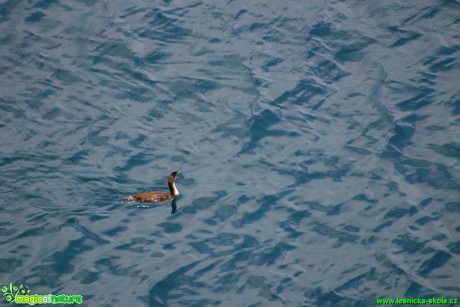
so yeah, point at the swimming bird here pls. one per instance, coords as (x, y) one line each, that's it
(157, 196)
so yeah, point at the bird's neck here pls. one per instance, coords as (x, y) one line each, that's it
(172, 189)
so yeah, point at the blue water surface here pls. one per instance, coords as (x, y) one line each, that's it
(320, 144)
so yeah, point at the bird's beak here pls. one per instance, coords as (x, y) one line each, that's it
(178, 171)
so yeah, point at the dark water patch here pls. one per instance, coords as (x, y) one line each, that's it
(365, 198)
(444, 65)
(422, 99)
(66, 76)
(450, 150)
(9, 265)
(330, 72)
(397, 213)
(453, 207)
(341, 236)
(404, 36)
(260, 283)
(402, 136)
(270, 255)
(330, 210)
(45, 4)
(109, 264)
(437, 177)
(414, 118)
(426, 202)
(139, 94)
(136, 245)
(203, 203)
(62, 259)
(428, 78)
(178, 282)
(230, 242)
(162, 28)
(260, 128)
(225, 212)
(9, 109)
(323, 297)
(305, 176)
(439, 259)
(224, 283)
(87, 233)
(35, 17)
(382, 226)
(272, 63)
(170, 227)
(135, 161)
(7, 231)
(416, 162)
(302, 93)
(6, 9)
(351, 228)
(239, 261)
(77, 157)
(454, 247)
(408, 244)
(298, 216)
(201, 272)
(156, 56)
(266, 203)
(357, 281)
(352, 52)
(86, 277)
(38, 231)
(440, 237)
(417, 290)
(291, 232)
(361, 151)
(115, 231)
(321, 29)
(426, 219)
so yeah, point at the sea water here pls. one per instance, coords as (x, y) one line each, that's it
(320, 144)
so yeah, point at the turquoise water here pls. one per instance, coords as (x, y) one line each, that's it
(320, 145)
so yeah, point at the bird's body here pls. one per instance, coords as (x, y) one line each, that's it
(157, 196)
(154, 197)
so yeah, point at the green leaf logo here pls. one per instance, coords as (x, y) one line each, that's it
(10, 291)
